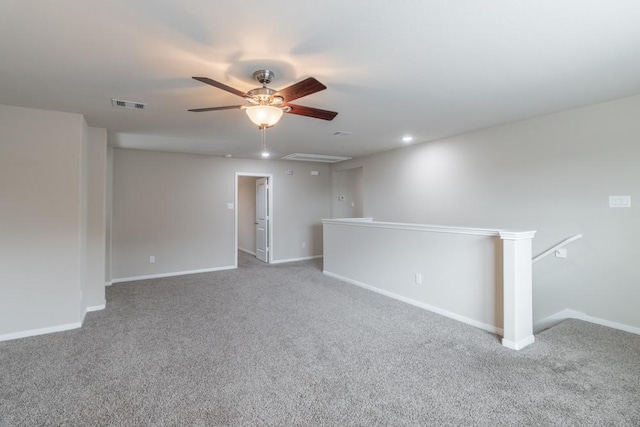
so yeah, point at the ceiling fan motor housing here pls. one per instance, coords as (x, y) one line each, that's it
(264, 96)
(264, 76)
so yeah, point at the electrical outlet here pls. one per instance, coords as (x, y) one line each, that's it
(619, 201)
(152, 259)
(304, 245)
(418, 279)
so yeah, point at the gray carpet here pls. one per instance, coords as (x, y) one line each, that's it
(283, 345)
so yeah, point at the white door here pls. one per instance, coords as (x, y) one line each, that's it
(262, 219)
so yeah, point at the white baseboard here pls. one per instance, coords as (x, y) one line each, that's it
(39, 331)
(97, 307)
(520, 344)
(108, 283)
(304, 258)
(477, 324)
(177, 273)
(247, 251)
(52, 329)
(558, 317)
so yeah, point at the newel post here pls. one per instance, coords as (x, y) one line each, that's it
(517, 289)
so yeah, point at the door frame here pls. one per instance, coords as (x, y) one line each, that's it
(269, 177)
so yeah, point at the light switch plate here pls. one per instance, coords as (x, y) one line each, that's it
(230, 206)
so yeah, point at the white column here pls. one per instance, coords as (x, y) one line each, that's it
(517, 288)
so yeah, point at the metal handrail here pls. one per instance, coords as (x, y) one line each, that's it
(564, 243)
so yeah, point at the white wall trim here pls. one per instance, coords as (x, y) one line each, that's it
(51, 329)
(176, 273)
(247, 251)
(368, 222)
(108, 283)
(40, 331)
(520, 344)
(558, 317)
(304, 258)
(97, 307)
(270, 236)
(516, 235)
(477, 324)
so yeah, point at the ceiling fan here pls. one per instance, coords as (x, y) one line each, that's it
(269, 104)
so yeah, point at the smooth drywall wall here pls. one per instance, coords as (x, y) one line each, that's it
(175, 207)
(40, 219)
(421, 267)
(346, 200)
(96, 217)
(553, 174)
(247, 213)
(108, 220)
(83, 254)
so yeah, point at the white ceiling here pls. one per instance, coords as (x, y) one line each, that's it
(429, 68)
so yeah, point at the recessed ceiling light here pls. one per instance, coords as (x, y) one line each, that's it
(227, 156)
(407, 139)
(265, 154)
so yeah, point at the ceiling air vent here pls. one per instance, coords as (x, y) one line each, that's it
(315, 158)
(128, 104)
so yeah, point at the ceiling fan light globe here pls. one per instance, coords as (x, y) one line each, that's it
(264, 115)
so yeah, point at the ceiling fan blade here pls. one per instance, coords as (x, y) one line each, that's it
(219, 85)
(316, 113)
(228, 107)
(300, 89)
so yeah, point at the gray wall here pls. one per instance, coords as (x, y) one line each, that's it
(108, 215)
(552, 174)
(96, 217)
(459, 273)
(45, 219)
(346, 189)
(174, 207)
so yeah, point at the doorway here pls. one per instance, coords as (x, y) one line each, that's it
(254, 215)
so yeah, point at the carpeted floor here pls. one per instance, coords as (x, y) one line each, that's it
(283, 345)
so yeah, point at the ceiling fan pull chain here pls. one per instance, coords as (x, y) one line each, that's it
(263, 137)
